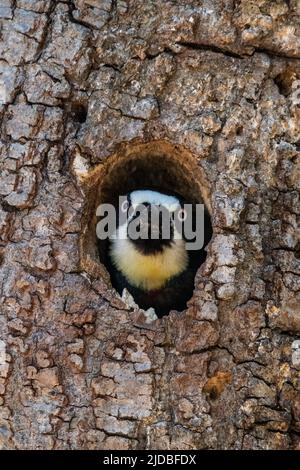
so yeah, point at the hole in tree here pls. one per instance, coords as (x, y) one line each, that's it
(79, 112)
(284, 81)
(170, 171)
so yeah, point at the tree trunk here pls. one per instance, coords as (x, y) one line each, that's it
(209, 94)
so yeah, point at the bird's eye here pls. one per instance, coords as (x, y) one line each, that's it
(182, 215)
(125, 206)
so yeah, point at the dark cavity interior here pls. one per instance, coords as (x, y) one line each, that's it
(163, 173)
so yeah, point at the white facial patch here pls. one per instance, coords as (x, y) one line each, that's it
(154, 197)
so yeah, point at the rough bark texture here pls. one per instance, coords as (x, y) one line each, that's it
(79, 82)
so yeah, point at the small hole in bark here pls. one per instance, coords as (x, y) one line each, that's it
(213, 394)
(7, 207)
(296, 157)
(79, 112)
(158, 167)
(284, 81)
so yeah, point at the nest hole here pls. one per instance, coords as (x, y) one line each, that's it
(284, 81)
(158, 166)
(79, 112)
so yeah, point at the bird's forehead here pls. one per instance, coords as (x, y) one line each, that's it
(154, 197)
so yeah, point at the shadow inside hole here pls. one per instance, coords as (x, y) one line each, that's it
(284, 81)
(79, 112)
(163, 174)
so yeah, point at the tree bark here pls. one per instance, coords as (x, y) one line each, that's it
(84, 82)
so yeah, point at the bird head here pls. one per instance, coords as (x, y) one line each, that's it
(147, 248)
(150, 226)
